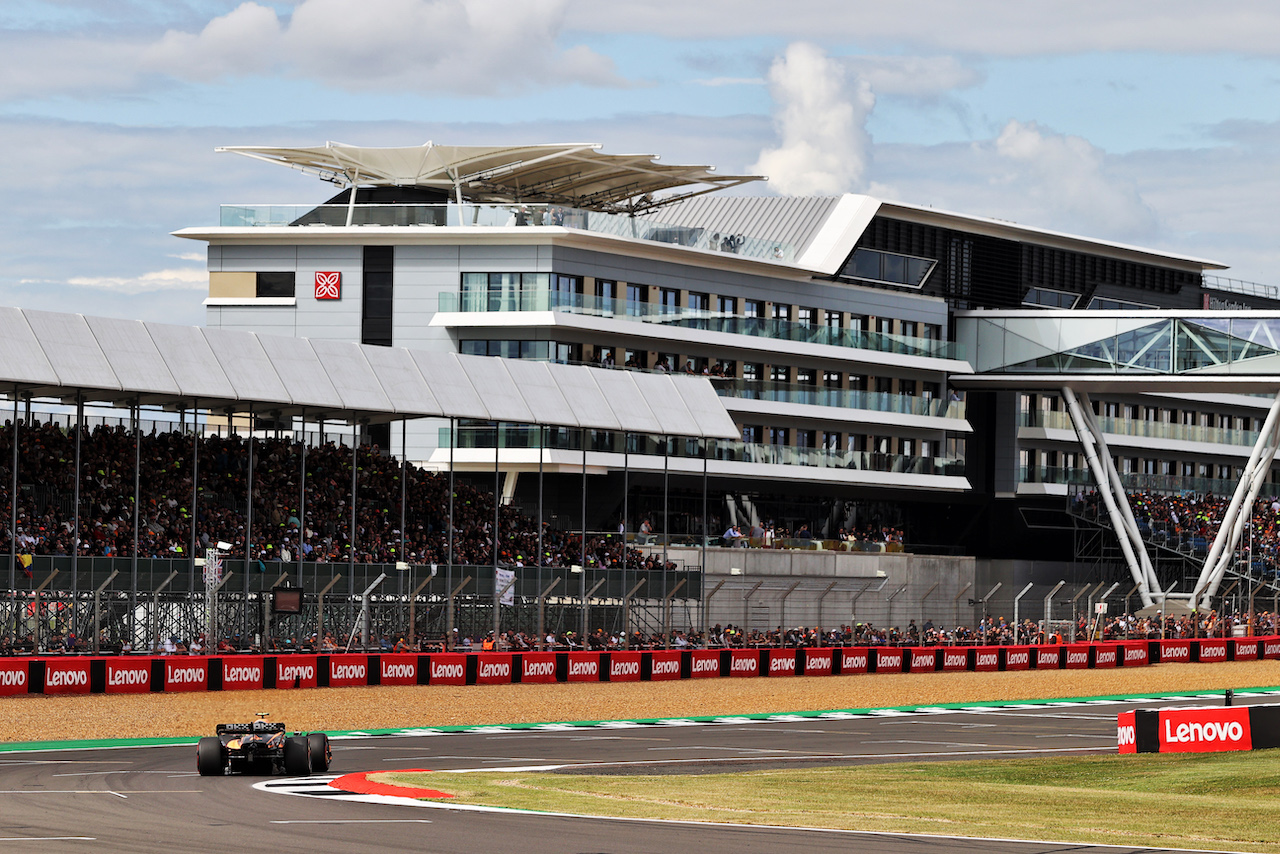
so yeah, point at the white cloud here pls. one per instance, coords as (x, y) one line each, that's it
(180, 279)
(820, 116)
(913, 76)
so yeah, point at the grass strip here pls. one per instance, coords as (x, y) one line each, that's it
(1204, 801)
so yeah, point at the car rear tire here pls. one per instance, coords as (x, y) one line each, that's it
(297, 756)
(321, 755)
(211, 757)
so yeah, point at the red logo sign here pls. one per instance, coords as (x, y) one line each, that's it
(329, 285)
(1204, 730)
(128, 677)
(1127, 735)
(13, 677)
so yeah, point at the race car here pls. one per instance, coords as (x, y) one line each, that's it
(262, 747)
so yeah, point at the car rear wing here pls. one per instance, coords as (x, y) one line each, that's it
(245, 729)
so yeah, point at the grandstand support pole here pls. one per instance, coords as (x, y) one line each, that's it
(497, 495)
(38, 619)
(1089, 442)
(248, 534)
(542, 444)
(97, 610)
(351, 534)
(955, 602)
(195, 495)
(320, 608)
(542, 612)
(702, 582)
(1232, 526)
(75, 513)
(448, 638)
(582, 579)
(626, 612)
(626, 523)
(137, 513)
(302, 493)
(267, 643)
(1122, 500)
(404, 485)
(666, 484)
(1048, 608)
(13, 516)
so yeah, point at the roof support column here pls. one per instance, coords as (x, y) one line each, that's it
(13, 515)
(75, 513)
(1088, 439)
(542, 444)
(448, 629)
(302, 495)
(497, 496)
(248, 537)
(137, 509)
(210, 644)
(1241, 508)
(626, 523)
(582, 577)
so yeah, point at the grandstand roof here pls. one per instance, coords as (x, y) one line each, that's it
(53, 354)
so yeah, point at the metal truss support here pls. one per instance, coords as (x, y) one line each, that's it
(1240, 511)
(1112, 495)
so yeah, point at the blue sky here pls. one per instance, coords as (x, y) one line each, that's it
(1152, 123)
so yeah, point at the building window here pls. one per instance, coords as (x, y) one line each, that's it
(752, 308)
(907, 387)
(909, 328)
(751, 371)
(637, 359)
(834, 321)
(605, 293)
(781, 311)
(752, 434)
(1048, 298)
(890, 268)
(806, 438)
(670, 298)
(566, 286)
(884, 385)
(275, 285)
(778, 436)
(727, 306)
(377, 301)
(699, 302)
(637, 297)
(831, 442)
(1106, 304)
(884, 325)
(779, 373)
(806, 376)
(831, 379)
(806, 317)
(857, 382)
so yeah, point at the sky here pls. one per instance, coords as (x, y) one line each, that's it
(1151, 122)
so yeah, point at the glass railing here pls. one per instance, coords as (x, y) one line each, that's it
(1147, 429)
(544, 299)
(1134, 482)
(875, 401)
(747, 452)
(501, 216)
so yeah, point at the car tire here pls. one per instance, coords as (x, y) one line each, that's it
(321, 755)
(211, 757)
(297, 756)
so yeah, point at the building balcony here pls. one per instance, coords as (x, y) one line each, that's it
(1135, 428)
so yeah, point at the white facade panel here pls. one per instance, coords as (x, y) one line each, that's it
(76, 356)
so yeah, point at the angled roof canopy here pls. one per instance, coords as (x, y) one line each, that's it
(574, 174)
(51, 354)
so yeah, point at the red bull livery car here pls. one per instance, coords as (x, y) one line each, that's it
(262, 747)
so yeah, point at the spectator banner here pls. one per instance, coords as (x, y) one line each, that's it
(744, 662)
(447, 668)
(242, 673)
(296, 671)
(14, 676)
(854, 660)
(1136, 654)
(955, 659)
(1016, 658)
(1212, 651)
(1178, 651)
(1246, 650)
(704, 663)
(664, 665)
(1106, 655)
(1205, 730)
(888, 660)
(186, 674)
(128, 675)
(817, 662)
(986, 659)
(541, 667)
(346, 671)
(1076, 655)
(584, 667)
(624, 666)
(782, 662)
(1048, 657)
(398, 669)
(924, 660)
(1126, 733)
(67, 676)
(493, 668)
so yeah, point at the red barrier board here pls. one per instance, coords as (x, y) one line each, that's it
(1135, 654)
(955, 659)
(1247, 649)
(128, 675)
(744, 662)
(1175, 650)
(14, 676)
(704, 663)
(584, 667)
(1048, 657)
(1106, 655)
(923, 660)
(186, 674)
(1077, 655)
(986, 659)
(447, 668)
(493, 668)
(1213, 650)
(398, 669)
(66, 677)
(242, 673)
(817, 662)
(1017, 658)
(541, 667)
(1126, 733)
(782, 662)
(853, 661)
(624, 666)
(664, 665)
(1271, 647)
(346, 671)
(888, 660)
(296, 671)
(1210, 730)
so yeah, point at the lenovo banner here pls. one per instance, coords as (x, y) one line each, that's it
(346, 671)
(624, 666)
(1127, 733)
(1177, 651)
(447, 668)
(1106, 655)
(186, 674)
(1212, 651)
(296, 671)
(128, 675)
(817, 662)
(664, 665)
(493, 668)
(14, 676)
(1135, 654)
(853, 661)
(1048, 657)
(1076, 655)
(744, 662)
(1271, 648)
(584, 667)
(66, 677)
(1208, 730)
(1246, 650)
(782, 662)
(242, 673)
(704, 663)
(923, 660)
(986, 659)
(888, 660)
(955, 659)
(541, 667)
(1016, 658)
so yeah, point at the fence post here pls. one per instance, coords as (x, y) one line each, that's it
(155, 611)
(666, 611)
(97, 608)
(38, 619)
(1048, 613)
(413, 601)
(626, 611)
(1015, 607)
(542, 611)
(320, 608)
(448, 629)
(955, 604)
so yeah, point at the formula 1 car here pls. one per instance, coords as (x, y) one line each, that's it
(262, 747)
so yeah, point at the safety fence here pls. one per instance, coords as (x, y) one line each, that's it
(145, 674)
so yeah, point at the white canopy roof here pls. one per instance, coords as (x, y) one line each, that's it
(52, 354)
(573, 174)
